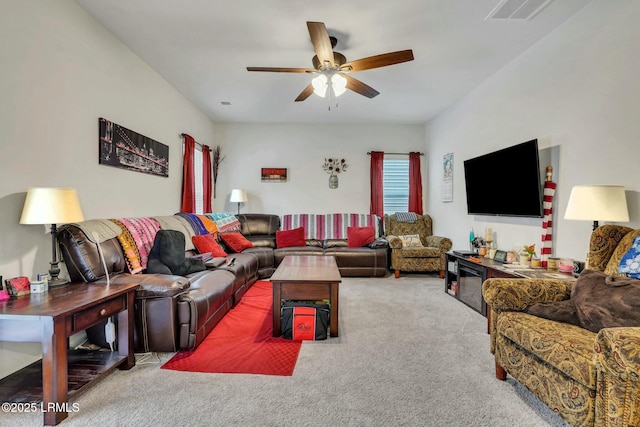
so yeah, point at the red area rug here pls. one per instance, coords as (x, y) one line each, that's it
(242, 343)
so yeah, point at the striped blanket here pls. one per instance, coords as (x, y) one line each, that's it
(226, 222)
(196, 223)
(136, 239)
(329, 226)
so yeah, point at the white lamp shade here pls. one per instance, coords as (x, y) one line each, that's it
(238, 196)
(51, 206)
(597, 203)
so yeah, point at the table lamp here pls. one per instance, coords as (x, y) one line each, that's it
(52, 206)
(597, 203)
(238, 196)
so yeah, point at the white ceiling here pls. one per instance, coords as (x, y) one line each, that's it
(202, 47)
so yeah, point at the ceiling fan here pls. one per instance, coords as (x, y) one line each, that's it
(332, 68)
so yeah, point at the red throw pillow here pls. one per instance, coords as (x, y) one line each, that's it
(290, 238)
(359, 236)
(236, 241)
(207, 243)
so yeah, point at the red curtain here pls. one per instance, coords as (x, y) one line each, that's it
(188, 184)
(206, 178)
(415, 183)
(377, 198)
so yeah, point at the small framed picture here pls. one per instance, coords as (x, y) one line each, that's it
(273, 174)
(500, 256)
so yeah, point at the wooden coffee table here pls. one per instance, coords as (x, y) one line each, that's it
(306, 278)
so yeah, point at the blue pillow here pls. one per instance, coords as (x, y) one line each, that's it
(630, 262)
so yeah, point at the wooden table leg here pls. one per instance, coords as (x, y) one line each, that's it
(333, 299)
(54, 371)
(276, 309)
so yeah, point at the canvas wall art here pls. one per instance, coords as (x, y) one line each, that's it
(273, 174)
(126, 149)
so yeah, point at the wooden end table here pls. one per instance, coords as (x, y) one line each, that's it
(301, 277)
(51, 318)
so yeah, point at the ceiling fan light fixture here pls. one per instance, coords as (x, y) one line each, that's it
(339, 84)
(320, 83)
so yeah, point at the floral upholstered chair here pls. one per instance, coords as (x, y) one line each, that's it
(589, 375)
(414, 248)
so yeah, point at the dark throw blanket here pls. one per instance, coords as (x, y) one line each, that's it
(597, 301)
(167, 255)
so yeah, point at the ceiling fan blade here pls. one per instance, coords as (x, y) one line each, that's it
(282, 70)
(378, 61)
(321, 42)
(361, 88)
(305, 93)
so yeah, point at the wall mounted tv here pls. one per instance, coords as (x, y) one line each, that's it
(505, 182)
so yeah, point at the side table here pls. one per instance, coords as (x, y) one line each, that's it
(51, 318)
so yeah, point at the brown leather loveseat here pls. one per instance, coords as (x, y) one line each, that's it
(261, 229)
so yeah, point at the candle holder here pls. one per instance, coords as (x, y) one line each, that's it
(488, 254)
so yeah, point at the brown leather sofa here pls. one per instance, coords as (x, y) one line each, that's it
(260, 229)
(171, 312)
(176, 313)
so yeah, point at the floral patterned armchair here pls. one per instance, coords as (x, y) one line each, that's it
(408, 253)
(589, 379)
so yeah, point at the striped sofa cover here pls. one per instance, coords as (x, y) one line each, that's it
(326, 234)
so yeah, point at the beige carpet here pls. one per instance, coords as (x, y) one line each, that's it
(407, 355)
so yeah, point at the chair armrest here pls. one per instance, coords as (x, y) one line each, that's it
(518, 294)
(617, 357)
(618, 352)
(394, 242)
(444, 243)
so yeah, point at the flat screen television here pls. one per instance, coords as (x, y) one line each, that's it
(505, 182)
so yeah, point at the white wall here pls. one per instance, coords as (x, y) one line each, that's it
(60, 72)
(302, 149)
(577, 89)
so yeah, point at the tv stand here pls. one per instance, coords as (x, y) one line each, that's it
(464, 276)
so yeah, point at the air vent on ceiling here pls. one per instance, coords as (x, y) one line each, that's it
(225, 102)
(517, 9)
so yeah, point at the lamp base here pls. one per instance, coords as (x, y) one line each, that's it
(57, 282)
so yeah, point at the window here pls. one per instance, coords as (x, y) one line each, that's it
(395, 184)
(197, 176)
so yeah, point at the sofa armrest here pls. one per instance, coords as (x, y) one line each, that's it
(518, 294)
(380, 242)
(394, 242)
(444, 243)
(153, 285)
(617, 358)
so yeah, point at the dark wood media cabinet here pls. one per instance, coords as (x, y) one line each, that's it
(464, 276)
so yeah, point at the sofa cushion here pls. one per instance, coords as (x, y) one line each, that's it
(207, 243)
(420, 252)
(236, 241)
(568, 348)
(290, 238)
(360, 236)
